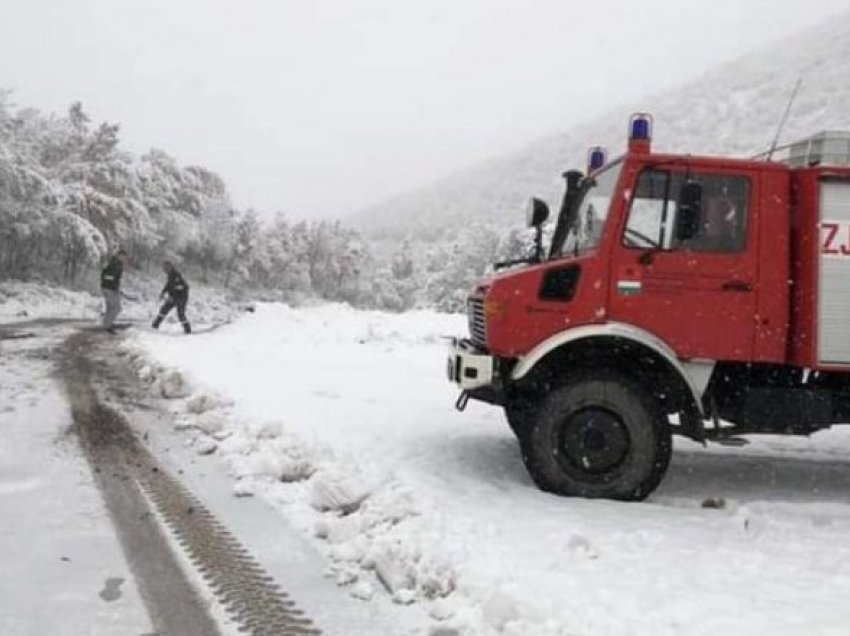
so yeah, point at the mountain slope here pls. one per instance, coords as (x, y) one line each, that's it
(732, 110)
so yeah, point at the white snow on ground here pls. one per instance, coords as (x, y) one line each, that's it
(344, 420)
(62, 571)
(21, 301)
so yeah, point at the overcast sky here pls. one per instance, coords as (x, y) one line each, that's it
(319, 107)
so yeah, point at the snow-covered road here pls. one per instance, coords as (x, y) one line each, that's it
(62, 570)
(328, 399)
(101, 529)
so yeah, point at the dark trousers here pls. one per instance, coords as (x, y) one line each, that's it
(112, 298)
(170, 303)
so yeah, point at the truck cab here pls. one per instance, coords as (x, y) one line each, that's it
(679, 295)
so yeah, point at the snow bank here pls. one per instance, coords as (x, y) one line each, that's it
(21, 301)
(375, 535)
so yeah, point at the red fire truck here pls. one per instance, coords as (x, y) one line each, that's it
(702, 296)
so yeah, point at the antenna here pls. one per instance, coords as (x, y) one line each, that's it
(784, 119)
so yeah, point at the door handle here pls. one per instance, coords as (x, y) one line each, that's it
(737, 286)
(646, 258)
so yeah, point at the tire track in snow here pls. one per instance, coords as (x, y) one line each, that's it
(131, 479)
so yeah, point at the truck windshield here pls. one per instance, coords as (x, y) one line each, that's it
(590, 211)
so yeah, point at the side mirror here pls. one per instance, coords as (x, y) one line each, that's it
(688, 211)
(536, 213)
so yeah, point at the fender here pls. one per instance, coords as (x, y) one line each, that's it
(695, 373)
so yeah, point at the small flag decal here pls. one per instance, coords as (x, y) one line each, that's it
(629, 287)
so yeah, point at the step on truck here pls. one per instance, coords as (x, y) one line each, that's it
(707, 297)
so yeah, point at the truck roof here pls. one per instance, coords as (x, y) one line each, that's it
(739, 163)
(707, 160)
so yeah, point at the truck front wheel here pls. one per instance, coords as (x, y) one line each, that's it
(520, 415)
(601, 435)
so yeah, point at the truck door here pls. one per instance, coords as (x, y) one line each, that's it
(698, 293)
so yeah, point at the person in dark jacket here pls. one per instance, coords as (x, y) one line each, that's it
(176, 294)
(110, 286)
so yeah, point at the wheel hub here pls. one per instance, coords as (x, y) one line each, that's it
(594, 440)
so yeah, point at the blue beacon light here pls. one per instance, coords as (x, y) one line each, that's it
(596, 158)
(640, 127)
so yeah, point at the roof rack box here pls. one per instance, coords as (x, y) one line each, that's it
(826, 148)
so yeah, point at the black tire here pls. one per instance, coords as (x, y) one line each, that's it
(520, 416)
(602, 435)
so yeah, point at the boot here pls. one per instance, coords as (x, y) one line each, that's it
(156, 322)
(187, 328)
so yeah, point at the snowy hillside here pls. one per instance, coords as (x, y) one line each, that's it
(733, 110)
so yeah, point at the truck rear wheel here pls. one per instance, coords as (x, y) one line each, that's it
(601, 435)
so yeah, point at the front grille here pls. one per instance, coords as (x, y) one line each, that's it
(477, 323)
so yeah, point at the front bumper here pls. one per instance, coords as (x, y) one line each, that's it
(468, 366)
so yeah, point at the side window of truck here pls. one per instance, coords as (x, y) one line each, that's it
(722, 216)
(648, 214)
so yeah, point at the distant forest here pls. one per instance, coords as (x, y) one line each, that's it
(69, 195)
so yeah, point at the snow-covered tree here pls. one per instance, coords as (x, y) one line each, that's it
(69, 193)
